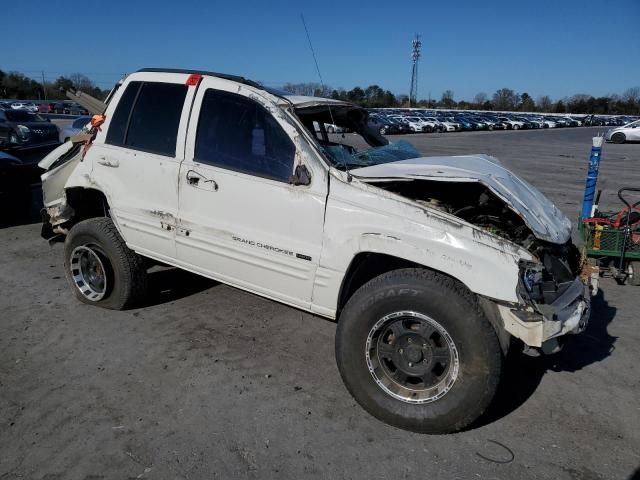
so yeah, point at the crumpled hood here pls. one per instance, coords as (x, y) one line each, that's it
(544, 219)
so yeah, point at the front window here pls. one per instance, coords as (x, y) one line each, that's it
(236, 133)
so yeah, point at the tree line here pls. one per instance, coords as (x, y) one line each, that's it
(19, 86)
(504, 99)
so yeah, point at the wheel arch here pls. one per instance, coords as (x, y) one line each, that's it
(82, 203)
(365, 266)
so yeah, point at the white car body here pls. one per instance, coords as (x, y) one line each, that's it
(415, 126)
(515, 124)
(424, 124)
(296, 244)
(19, 106)
(631, 132)
(446, 126)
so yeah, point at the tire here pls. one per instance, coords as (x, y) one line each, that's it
(112, 276)
(13, 138)
(454, 390)
(633, 274)
(516, 126)
(618, 137)
(383, 131)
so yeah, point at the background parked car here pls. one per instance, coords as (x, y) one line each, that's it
(626, 133)
(46, 107)
(24, 129)
(75, 109)
(76, 127)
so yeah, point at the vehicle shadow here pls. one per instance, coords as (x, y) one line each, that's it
(522, 373)
(167, 284)
(20, 205)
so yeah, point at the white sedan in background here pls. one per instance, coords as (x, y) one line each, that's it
(627, 133)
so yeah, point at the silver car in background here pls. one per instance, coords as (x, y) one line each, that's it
(74, 128)
(627, 133)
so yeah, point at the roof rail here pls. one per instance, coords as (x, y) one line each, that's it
(234, 78)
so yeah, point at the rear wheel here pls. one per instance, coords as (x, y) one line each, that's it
(516, 126)
(618, 137)
(100, 268)
(415, 351)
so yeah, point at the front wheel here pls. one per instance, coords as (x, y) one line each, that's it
(618, 138)
(100, 268)
(415, 351)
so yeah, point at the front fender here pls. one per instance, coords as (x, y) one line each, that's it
(360, 219)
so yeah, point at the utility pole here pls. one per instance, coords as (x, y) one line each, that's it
(416, 45)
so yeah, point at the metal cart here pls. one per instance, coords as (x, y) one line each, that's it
(612, 241)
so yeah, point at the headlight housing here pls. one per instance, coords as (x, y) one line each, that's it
(23, 131)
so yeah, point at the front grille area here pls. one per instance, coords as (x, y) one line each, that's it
(43, 134)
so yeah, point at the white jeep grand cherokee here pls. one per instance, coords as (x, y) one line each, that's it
(432, 267)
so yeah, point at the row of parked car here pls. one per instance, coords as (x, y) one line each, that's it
(65, 108)
(399, 121)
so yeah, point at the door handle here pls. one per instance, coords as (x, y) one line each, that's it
(193, 178)
(108, 163)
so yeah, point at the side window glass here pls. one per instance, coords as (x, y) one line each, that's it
(153, 126)
(120, 120)
(147, 117)
(236, 133)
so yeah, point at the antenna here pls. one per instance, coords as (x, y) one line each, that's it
(315, 60)
(416, 45)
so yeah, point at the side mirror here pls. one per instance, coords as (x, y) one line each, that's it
(301, 176)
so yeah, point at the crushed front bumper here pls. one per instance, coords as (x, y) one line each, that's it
(568, 314)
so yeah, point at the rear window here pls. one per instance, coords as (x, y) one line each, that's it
(147, 117)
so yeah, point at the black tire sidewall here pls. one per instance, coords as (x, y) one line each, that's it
(475, 340)
(119, 279)
(618, 137)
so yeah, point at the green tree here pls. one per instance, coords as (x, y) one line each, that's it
(447, 99)
(526, 103)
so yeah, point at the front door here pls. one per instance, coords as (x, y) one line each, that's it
(240, 220)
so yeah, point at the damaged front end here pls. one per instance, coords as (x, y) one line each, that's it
(59, 165)
(553, 300)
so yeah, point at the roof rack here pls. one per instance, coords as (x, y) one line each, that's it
(234, 78)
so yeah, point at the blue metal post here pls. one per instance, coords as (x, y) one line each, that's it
(592, 177)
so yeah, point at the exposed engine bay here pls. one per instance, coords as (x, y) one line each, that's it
(478, 205)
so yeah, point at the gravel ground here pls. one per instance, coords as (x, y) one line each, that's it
(207, 381)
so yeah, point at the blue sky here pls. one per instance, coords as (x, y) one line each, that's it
(542, 47)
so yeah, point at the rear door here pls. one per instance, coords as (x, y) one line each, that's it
(136, 159)
(240, 219)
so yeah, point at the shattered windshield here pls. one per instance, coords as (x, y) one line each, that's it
(345, 156)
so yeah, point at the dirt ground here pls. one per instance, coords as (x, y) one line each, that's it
(207, 381)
